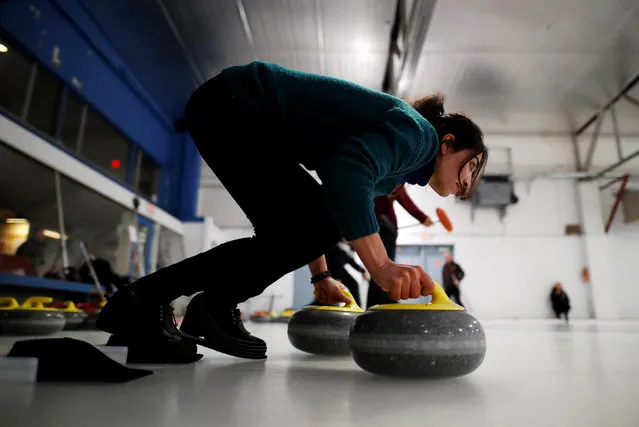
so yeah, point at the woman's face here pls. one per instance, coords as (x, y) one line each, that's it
(453, 169)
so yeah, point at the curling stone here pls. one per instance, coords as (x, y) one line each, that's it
(285, 315)
(262, 316)
(435, 340)
(324, 329)
(93, 311)
(30, 318)
(73, 315)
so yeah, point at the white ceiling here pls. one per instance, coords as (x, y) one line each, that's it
(522, 66)
(345, 39)
(517, 66)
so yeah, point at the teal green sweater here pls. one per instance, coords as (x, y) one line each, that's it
(362, 143)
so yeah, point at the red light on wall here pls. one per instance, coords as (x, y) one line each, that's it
(115, 163)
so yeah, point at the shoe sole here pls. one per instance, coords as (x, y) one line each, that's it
(243, 353)
(225, 344)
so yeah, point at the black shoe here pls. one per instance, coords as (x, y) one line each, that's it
(146, 329)
(221, 329)
(155, 352)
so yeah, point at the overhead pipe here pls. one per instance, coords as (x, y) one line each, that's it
(614, 166)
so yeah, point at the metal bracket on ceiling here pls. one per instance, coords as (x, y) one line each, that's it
(408, 35)
(615, 206)
(598, 119)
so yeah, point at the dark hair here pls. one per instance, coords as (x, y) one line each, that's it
(468, 136)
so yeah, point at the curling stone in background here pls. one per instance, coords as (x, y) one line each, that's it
(285, 315)
(434, 340)
(73, 315)
(93, 311)
(30, 318)
(263, 316)
(324, 329)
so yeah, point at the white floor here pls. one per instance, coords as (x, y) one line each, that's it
(537, 374)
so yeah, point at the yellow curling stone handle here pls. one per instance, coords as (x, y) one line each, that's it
(37, 303)
(8, 303)
(351, 307)
(67, 307)
(440, 302)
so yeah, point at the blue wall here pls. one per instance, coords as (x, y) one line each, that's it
(187, 173)
(108, 86)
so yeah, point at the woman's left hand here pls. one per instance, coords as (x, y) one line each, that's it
(428, 222)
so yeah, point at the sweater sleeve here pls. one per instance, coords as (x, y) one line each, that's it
(349, 176)
(407, 203)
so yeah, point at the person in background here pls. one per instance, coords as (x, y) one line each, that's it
(336, 259)
(452, 275)
(560, 301)
(385, 213)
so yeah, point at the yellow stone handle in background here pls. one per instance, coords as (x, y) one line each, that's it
(36, 303)
(67, 306)
(8, 303)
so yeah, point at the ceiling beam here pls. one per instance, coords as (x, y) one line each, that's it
(407, 40)
(622, 94)
(199, 77)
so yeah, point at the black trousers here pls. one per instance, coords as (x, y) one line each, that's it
(285, 204)
(388, 234)
(454, 294)
(561, 310)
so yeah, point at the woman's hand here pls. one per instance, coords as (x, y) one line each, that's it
(403, 281)
(400, 281)
(428, 222)
(329, 291)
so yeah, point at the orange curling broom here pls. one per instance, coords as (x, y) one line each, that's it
(442, 219)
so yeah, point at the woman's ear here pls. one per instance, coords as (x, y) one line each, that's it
(447, 143)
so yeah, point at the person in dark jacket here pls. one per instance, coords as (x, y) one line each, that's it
(452, 275)
(385, 213)
(337, 258)
(261, 127)
(560, 301)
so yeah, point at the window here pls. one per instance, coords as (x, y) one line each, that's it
(29, 237)
(170, 248)
(74, 115)
(148, 176)
(15, 71)
(105, 146)
(95, 220)
(44, 102)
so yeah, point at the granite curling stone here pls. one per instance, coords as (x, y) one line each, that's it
(324, 330)
(73, 315)
(30, 318)
(435, 340)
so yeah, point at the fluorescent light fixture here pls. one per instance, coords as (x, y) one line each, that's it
(16, 220)
(53, 234)
(3, 48)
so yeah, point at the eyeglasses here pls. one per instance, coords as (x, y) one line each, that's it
(477, 165)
